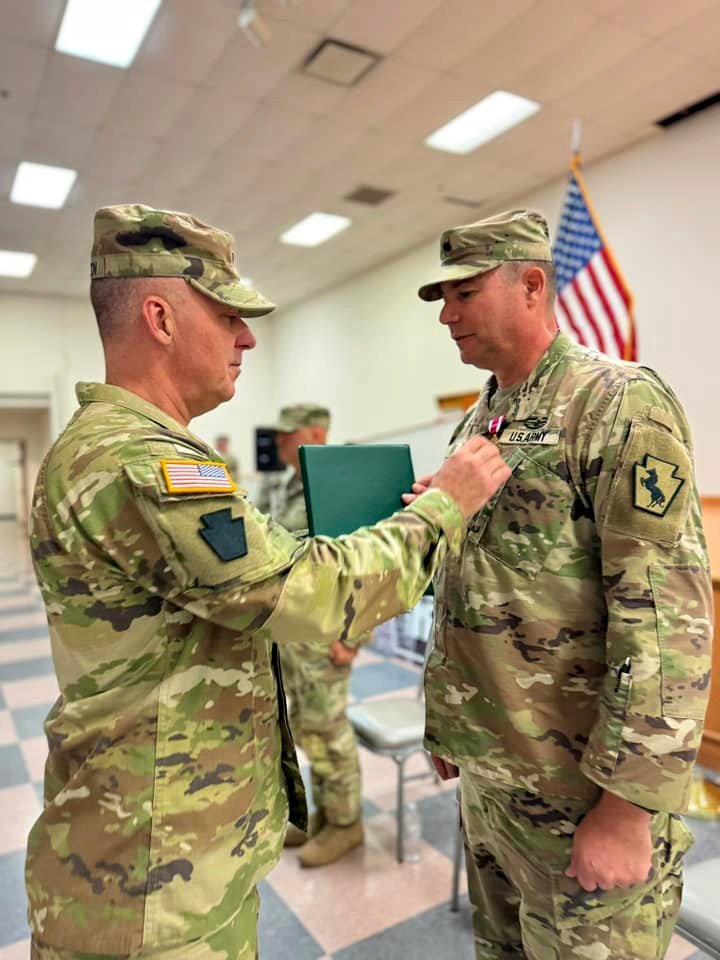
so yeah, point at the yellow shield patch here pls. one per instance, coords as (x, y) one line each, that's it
(656, 485)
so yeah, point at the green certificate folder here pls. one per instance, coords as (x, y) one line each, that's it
(353, 486)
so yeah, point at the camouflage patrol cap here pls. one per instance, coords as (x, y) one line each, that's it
(479, 247)
(302, 415)
(132, 240)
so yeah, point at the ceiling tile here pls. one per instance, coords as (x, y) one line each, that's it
(622, 81)
(574, 63)
(116, 156)
(77, 91)
(655, 17)
(60, 144)
(383, 91)
(146, 105)
(518, 47)
(663, 97)
(251, 72)
(441, 42)
(266, 134)
(381, 26)
(186, 39)
(21, 74)
(699, 36)
(35, 21)
(323, 144)
(308, 94)
(208, 121)
(317, 15)
(13, 128)
(440, 102)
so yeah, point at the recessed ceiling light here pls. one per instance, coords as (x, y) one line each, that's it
(107, 31)
(315, 229)
(489, 118)
(16, 264)
(39, 185)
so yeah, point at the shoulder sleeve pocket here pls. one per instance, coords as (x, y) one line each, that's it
(650, 493)
(209, 539)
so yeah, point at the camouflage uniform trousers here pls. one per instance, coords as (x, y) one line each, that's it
(318, 694)
(517, 847)
(237, 940)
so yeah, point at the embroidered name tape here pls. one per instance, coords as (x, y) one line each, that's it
(519, 434)
(193, 476)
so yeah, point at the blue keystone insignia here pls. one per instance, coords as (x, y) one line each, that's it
(224, 534)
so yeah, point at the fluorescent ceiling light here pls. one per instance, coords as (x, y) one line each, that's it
(108, 31)
(315, 229)
(16, 264)
(38, 185)
(486, 120)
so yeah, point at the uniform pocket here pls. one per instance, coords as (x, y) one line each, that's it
(521, 524)
(682, 599)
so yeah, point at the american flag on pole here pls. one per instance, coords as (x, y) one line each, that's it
(594, 303)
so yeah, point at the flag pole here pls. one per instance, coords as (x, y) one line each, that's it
(575, 140)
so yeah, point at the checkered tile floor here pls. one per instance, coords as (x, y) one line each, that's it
(365, 907)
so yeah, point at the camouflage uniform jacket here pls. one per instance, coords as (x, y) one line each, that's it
(292, 513)
(164, 795)
(572, 637)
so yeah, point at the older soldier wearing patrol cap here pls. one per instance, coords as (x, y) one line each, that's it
(317, 682)
(171, 768)
(569, 675)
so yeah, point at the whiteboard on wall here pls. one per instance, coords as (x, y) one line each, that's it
(428, 441)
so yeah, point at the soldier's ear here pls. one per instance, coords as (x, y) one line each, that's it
(157, 315)
(535, 285)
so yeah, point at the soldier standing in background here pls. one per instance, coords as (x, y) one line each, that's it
(171, 768)
(317, 684)
(222, 445)
(570, 671)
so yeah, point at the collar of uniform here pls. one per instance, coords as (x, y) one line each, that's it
(105, 393)
(522, 404)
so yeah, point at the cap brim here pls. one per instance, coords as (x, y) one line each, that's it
(455, 271)
(249, 302)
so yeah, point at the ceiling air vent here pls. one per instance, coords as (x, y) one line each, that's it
(340, 63)
(371, 196)
(672, 118)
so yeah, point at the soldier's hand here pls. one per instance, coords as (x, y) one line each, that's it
(341, 655)
(612, 846)
(420, 486)
(472, 474)
(445, 769)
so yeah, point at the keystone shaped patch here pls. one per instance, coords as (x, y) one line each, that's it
(224, 534)
(656, 485)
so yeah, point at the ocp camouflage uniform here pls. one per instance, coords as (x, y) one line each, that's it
(171, 768)
(572, 653)
(318, 692)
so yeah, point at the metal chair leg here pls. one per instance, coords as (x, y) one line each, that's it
(457, 861)
(401, 808)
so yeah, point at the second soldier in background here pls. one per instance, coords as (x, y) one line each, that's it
(317, 685)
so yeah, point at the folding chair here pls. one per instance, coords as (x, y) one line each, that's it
(699, 920)
(394, 727)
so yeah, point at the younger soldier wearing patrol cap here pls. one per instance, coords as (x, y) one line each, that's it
(171, 768)
(569, 674)
(318, 683)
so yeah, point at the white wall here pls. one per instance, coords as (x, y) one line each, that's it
(376, 354)
(50, 344)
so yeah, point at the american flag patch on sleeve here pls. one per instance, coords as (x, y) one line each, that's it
(193, 476)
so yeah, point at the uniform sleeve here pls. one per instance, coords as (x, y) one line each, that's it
(217, 557)
(639, 478)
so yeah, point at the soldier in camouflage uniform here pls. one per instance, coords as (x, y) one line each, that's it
(569, 676)
(171, 768)
(317, 684)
